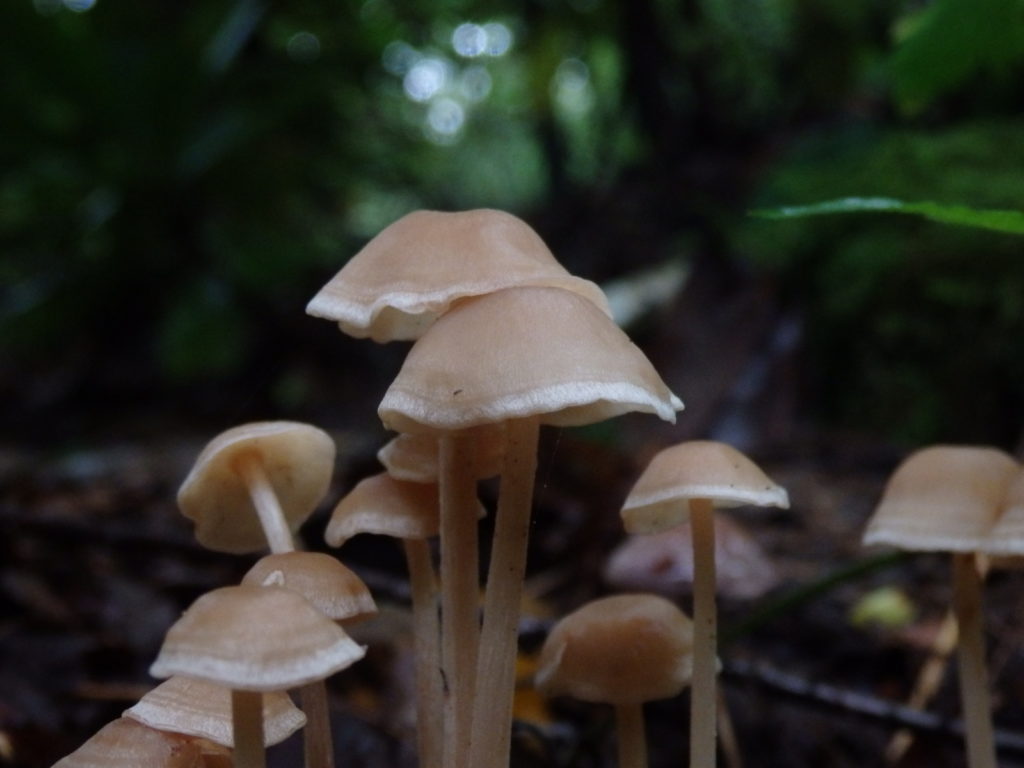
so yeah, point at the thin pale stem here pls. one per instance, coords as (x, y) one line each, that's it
(268, 508)
(427, 639)
(629, 727)
(247, 729)
(319, 747)
(460, 628)
(727, 735)
(974, 695)
(703, 697)
(492, 706)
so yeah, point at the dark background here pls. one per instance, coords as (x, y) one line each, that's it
(178, 179)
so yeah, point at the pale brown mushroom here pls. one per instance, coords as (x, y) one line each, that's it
(622, 650)
(689, 480)
(416, 458)
(253, 485)
(948, 499)
(125, 743)
(521, 356)
(254, 639)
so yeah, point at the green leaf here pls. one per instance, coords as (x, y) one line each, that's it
(1011, 222)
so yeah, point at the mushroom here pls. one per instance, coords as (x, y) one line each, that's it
(414, 270)
(278, 469)
(948, 498)
(518, 356)
(691, 479)
(126, 743)
(203, 709)
(621, 650)
(416, 459)
(340, 595)
(254, 639)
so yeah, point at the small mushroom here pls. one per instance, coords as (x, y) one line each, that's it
(255, 484)
(621, 650)
(125, 743)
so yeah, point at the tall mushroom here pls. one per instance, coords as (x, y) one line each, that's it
(621, 650)
(519, 356)
(691, 479)
(254, 639)
(253, 485)
(947, 499)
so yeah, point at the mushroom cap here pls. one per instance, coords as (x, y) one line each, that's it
(523, 352)
(416, 268)
(255, 639)
(298, 460)
(414, 458)
(199, 708)
(1007, 537)
(698, 469)
(125, 743)
(329, 586)
(944, 498)
(623, 649)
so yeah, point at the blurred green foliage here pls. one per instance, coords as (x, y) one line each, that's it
(176, 179)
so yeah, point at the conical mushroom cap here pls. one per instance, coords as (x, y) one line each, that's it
(126, 743)
(698, 469)
(255, 639)
(198, 708)
(523, 352)
(945, 498)
(624, 649)
(298, 460)
(1007, 537)
(416, 268)
(414, 458)
(329, 586)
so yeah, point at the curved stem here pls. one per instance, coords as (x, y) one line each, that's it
(247, 729)
(427, 639)
(495, 690)
(703, 697)
(977, 709)
(460, 629)
(632, 739)
(317, 742)
(275, 527)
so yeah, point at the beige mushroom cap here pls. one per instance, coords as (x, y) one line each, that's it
(623, 649)
(698, 469)
(255, 639)
(1007, 537)
(329, 586)
(125, 743)
(297, 458)
(523, 352)
(199, 708)
(943, 498)
(414, 458)
(416, 268)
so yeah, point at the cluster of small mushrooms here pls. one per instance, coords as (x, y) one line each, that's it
(505, 339)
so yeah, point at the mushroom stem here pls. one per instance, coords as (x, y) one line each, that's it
(492, 705)
(703, 699)
(317, 742)
(460, 629)
(429, 691)
(275, 527)
(630, 731)
(247, 729)
(974, 695)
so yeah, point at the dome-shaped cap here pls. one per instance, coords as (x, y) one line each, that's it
(255, 639)
(698, 469)
(125, 743)
(329, 586)
(623, 649)
(1007, 537)
(944, 498)
(416, 268)
(414, 458)
(523, 352)
(199, 708)
(298, 459)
